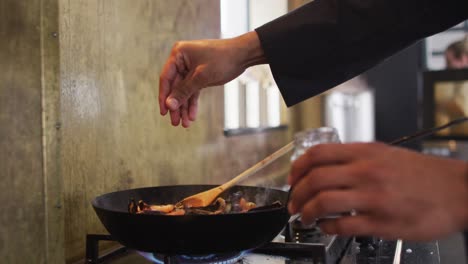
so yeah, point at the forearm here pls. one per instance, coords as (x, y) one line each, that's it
(327, 42)
(249, 49)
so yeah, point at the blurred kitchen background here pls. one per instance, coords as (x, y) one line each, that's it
(79, 115)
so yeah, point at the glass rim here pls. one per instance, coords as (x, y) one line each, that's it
(324, 129)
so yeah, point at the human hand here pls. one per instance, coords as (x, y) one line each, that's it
(396, 193)
(194, 65)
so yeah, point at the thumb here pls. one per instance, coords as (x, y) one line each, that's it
(183, 91)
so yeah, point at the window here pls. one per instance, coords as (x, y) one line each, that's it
(251, 101)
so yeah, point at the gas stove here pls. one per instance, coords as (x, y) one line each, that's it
(306, 244)
(297, 243)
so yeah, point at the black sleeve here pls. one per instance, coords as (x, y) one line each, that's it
(466, 245)
(327, 42)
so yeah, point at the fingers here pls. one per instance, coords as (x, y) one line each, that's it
(184, 90)
(333, 204)
(365, 225)
(180, 63)
(175, 117)
(319, 155)
(172, 85)
(319, 180)
(176, 114)
(185, 115)
(361, 225)
(193, 106)
(166, 80)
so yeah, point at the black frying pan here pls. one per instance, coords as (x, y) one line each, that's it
(191, 234)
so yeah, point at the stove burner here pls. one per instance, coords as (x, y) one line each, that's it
(297, 241)
(224, 258)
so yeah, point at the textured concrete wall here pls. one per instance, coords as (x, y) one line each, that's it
(22, 221)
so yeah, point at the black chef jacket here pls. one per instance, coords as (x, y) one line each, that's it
(466, 245)
(327, 42)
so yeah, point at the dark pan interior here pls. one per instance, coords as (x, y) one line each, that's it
(118, 201)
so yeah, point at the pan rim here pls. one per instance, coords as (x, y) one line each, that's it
(95, 200)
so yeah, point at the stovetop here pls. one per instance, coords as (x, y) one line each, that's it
(295, 244)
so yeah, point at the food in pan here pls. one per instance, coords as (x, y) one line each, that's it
(234, 204)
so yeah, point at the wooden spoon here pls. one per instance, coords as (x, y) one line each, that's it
(206, 198)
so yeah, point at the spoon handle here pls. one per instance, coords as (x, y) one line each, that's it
(260, 165)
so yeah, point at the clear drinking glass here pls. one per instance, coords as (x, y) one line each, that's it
(309, 138)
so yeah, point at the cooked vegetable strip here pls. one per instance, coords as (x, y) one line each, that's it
(167, 208)
(245, 206)
(162, 208)
(177, 212)
(221, 206)
(237, 203)
(132, 207)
